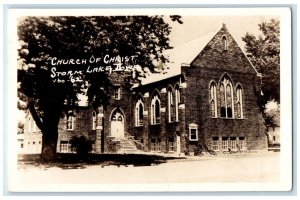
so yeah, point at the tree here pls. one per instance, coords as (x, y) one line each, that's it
(43, 40)
(264, 52)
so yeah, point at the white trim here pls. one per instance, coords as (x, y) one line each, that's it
(227, 82)
(177, 101)
(137, 112)
(213, 97)
(170, 104)
(70, 127)
(239, 96)
(153, 109)
(193, 126)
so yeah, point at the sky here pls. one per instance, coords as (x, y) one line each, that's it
(195, 26)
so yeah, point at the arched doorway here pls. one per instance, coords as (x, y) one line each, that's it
(117, 124)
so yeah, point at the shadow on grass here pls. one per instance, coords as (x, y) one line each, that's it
(73, 161)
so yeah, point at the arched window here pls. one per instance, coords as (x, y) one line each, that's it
(177, 102)
(94, 120)
(213, 98)
(224, 43)
(139, 112)
(239, 100)
(170, 104)
(155, 109)
(226, 98)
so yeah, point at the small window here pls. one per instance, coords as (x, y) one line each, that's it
(40, 142)
(224, 43)
(193, 132)
(33, 143)
(22, 145)
(274, 138)
(70, 122)
(118, 93)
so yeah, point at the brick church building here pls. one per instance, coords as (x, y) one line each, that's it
(210, 101)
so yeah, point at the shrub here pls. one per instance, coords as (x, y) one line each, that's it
(81, 145)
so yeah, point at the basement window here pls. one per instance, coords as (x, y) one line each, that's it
(242, 143)
(171, 144)
(225, 143)
(153, 145)
(215, 143)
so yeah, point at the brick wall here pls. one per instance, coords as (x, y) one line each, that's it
(164, 130)
(210, 65)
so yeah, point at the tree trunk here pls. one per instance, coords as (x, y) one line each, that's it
(49, 146)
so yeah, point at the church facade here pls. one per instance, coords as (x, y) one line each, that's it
(210, 102)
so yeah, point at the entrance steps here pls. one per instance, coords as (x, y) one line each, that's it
(126, 145)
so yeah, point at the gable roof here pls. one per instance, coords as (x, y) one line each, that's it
(187, 52)
(180, 56)
(184, 54)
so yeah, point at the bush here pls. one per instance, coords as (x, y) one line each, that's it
(81, 145)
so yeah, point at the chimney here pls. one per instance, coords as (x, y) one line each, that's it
(224, 25)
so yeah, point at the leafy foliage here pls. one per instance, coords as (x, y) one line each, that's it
(264, 52)
(43, 38)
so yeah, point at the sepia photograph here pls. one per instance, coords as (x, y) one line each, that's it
(150, 100)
